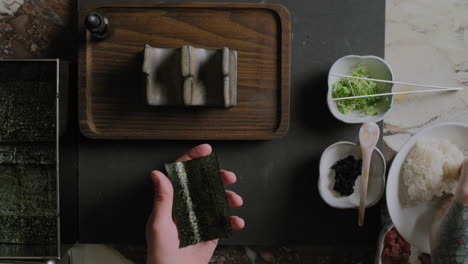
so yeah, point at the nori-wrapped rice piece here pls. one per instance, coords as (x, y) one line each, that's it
(200, 209)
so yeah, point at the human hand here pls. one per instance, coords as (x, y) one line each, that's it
(461, 196)
(448, 229)
(161, 231)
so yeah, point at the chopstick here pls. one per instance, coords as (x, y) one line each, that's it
(394, 82)
(407, 92)
(436, 88)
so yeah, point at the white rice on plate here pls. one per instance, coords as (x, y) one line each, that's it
(431, 168)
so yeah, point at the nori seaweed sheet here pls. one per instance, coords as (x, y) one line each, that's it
(35, 229)
(200, 209)
(27, 111)
(28, 204)
(28, 183)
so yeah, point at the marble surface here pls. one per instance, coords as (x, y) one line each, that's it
(36, 29)
(126, 254)
(426, 42)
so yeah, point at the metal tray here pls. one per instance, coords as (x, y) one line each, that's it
(34, 149)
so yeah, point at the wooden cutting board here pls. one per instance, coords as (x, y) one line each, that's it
(111, 101)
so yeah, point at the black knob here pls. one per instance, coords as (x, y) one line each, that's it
(97, 24)
(92, 21)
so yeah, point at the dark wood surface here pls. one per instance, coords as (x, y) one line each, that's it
(277, 179)
(110, 83)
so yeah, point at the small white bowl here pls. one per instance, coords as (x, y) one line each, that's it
(341, 150)
(378, 68)
(415, 252)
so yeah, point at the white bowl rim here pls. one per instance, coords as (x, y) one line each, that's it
(380, 245)
(354, 144)
(330, 102)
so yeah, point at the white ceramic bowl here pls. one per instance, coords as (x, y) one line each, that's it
(378, 68)
(414, 222)
(341, 150)
(380, 246)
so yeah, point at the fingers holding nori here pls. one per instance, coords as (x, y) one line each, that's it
(200, 210)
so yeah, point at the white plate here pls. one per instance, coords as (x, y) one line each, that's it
(414, 222)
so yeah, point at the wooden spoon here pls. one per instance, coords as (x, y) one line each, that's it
(368, 137)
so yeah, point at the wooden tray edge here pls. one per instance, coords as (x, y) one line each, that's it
(278, 8)
(86, 125)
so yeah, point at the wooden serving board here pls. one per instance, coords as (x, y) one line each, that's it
(111, 101)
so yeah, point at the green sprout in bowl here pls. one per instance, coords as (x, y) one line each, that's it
(347, 87)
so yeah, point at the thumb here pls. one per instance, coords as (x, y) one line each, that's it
(163, 196)
(440, 214)
(462, 192)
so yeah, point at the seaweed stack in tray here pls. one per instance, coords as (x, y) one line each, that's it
(28, 185)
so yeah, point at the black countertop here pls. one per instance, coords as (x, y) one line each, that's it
(278, 178)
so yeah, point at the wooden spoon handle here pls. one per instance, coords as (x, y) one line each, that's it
(363, 185)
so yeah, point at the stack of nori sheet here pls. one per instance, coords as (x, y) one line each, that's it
(28, 185)
(200, 209)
